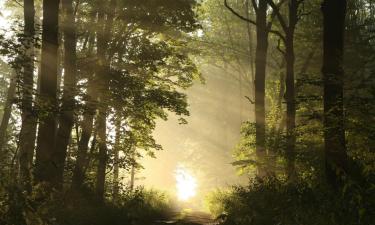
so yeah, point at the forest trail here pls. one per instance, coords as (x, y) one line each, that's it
(189, 218)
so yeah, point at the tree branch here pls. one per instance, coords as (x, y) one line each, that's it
(276, 11)
(249, 99)
(237, 14)
(278, 34)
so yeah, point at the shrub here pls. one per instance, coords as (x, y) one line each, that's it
(48, 207)
(272, 201)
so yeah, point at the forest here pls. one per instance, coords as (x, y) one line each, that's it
(190, 112)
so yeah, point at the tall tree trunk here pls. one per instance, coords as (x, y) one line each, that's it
(290, 91)
(262, 31)
(7, 110)
(334, 12)
(29, 120)
(66, 120)
(260, 75)
(45, 168)
(291, 107)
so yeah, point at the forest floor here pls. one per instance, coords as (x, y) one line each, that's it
(189, 218)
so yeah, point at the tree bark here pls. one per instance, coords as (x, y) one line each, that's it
(29, 120)
(334, 12)
(290, 91)
(260, 77)
(7, 110)
(45, 167)
(66, 120)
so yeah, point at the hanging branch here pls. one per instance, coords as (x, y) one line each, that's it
(276, 12)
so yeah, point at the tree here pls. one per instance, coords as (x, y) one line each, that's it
(89, 111)
(263, 28)
(29, 120)
(105, 18)
(336, 158)
(45, 165)
(288, 25)
(66, 120)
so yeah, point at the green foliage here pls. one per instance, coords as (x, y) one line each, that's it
(134, 207)
(45, 206)
(272, 201)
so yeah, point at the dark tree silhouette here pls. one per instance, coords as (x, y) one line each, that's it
(334, 12)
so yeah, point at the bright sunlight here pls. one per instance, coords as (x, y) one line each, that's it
(186, 184)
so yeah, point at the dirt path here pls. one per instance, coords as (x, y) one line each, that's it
(189, 218)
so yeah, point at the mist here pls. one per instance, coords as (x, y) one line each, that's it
(204, 146)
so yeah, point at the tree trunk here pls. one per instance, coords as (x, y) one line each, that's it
(7, 110)
(290, 105)
(29, 120)
(290, 91)
(334, 12)
(45, 167)
(66, 119)
(260, 75)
